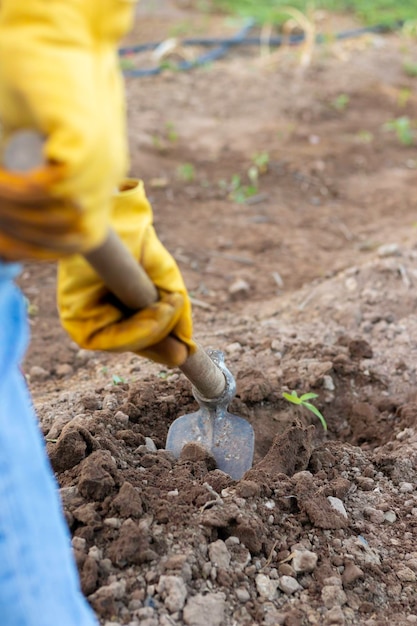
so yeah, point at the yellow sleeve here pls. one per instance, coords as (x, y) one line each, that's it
(59, 75)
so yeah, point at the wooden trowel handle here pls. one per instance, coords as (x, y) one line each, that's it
(128, 281)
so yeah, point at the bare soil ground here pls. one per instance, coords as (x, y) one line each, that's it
(308, 285)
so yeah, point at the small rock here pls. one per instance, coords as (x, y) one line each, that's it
(240, 288)
(79, 543)
(333, 595)
(173, 591)
(374, 515)
(390, 517)
(389, 249)
(38, 373)
(202, 610)
(406, 575)
(328, 383)
(266, 588)
(337, 505)
(288, 584)
(304, 561)
(406, 487)
(234, 348)
(113, 522)
(219, 554)
(242, 595)
(335, 617)
(150, 444)
(121, 417)
(365, 483)
(64, 369)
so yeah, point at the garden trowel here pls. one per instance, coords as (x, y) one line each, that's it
(229, 438)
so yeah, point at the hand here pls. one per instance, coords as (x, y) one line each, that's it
(59, 77)
(97, 321)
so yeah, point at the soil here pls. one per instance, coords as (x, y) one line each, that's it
(308, 284)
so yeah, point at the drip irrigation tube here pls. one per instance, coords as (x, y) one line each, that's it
(222, 46)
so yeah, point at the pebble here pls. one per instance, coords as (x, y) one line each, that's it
(288, 584)
(304, 561)
(242, 594)
(219, 555)
(64, 369)
(390, 517)
(234, 348)
(335, 617)
(374, 515)
(38, 373)
(337, 505)
(328, 383)
(239, 288)
(113, 522)
(333, 595)
(173, 591)
(366, 483)
(406, 575)
(150, 444)
(389, 249)
(266, 588)
(202, 610)
(406, 487)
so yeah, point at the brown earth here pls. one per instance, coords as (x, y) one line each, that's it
(308, 285)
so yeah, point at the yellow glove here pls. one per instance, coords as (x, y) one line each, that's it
(89, 312)
(59, 77)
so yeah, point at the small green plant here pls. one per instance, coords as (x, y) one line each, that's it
(261, 162)
(171, 132)
(239, 192)
(31, 308)
(402, 128)
(410, 69)
(186, 172)
(340, 102)
(364, 136)
(117, 380)
(304, 401)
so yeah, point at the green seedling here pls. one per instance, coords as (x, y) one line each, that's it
(261, 162)
(171, 133)
(340, 102)
(239, 192)
(402, 128)
(410, 69)
(364, 136)
(186, 172)
(304, 401)
(404, 97)
(31, 308)
(117, 380)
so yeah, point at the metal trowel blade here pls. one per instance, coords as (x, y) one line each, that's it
(229, 438)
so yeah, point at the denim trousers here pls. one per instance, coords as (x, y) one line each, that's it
(39, 583)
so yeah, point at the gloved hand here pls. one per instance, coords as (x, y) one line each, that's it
(96, 321)
(59, 76)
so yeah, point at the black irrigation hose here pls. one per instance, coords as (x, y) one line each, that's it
(222, 46)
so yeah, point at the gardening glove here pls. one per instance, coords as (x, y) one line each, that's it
(92, 316)
(59, 77)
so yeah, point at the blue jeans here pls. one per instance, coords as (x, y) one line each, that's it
(39, 583)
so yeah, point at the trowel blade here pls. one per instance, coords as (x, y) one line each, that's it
(230, 439)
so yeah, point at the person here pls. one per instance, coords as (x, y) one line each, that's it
(59, 77)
